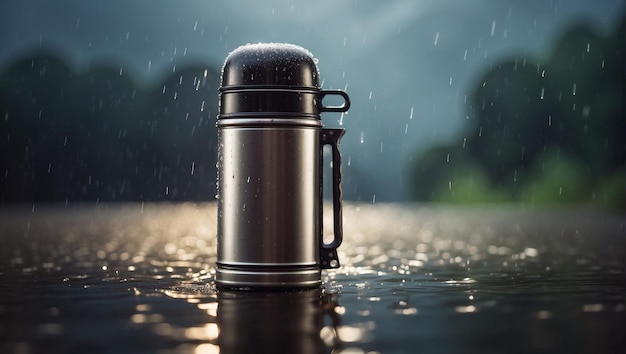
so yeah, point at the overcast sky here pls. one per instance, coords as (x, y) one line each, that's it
(407, 65)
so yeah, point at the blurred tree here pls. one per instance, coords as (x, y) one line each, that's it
(68, 136)
(543, 132)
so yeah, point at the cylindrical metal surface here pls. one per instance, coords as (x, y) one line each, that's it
(268, 203)
(269, 170)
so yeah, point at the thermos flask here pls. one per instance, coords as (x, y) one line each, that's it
(270, 138)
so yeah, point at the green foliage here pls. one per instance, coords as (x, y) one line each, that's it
(97, 135)
(470, 184)
(557, 178)
(542, 132)
(610, 191)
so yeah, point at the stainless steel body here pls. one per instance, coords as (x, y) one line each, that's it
(270, 138)
(269, 228)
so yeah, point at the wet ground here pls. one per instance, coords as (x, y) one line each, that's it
(137, 278)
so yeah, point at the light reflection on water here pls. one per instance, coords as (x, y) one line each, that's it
(435, 278)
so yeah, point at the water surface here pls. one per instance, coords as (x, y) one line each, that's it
(137, 278)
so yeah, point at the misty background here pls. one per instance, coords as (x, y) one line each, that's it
(117, 100)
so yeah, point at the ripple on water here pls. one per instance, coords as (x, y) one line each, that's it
(404, 267)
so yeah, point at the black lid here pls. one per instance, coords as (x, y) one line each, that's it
(270, 64)
(273, 80)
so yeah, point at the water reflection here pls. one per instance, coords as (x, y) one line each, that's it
(271, 322)
(305, 321)
(440, 279)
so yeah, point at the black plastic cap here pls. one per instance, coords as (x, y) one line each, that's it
(273, 80)
(270, 64)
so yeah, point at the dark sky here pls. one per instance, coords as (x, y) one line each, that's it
(407, 65)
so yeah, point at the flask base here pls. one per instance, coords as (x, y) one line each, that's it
(262, 276)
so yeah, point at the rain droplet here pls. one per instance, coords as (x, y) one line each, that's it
(586, 110)
(332, 288)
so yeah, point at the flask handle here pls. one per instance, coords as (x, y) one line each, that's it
(342, 108)
(328, 251)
